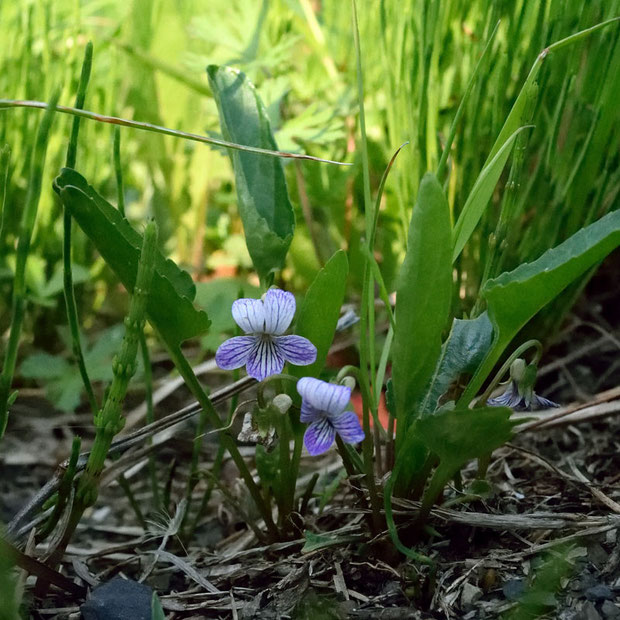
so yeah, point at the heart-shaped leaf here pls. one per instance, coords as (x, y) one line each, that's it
(467, 345)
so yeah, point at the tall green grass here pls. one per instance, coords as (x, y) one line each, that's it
(418, 57)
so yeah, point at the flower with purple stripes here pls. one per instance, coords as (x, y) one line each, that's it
(324, 406)
(264, 350)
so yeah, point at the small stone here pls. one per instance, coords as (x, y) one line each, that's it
(513, 589)
(587, 580)
(587, 612)
(599, 592)
(610, 610)
(597, 555)
(470, 594)
(119, 599)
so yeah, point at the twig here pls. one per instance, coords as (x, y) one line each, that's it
(34, 567)
(529, 521)
(599, 406)
(610, 503)
(578, 479)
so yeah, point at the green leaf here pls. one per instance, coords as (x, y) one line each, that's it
(63, 385)
(480, 195)
(319, 312)
(464, 227)
(157, 611)
(460, 435)
(169, 306)
(457, 436)
(422, 299)
(468, 343)
(264, 205)
(43, 366)
(514, 297)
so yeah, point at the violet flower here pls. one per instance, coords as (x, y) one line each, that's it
(520, 394)
(323, 406)
(264, 350)
(521, 400)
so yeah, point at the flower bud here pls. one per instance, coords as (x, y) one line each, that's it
(282, 402)
(348, 381)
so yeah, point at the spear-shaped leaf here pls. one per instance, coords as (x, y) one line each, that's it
(514, 297)
(422, 300)
(264, 205)
(169, 307)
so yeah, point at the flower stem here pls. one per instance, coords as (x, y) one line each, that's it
(506, 366)
(226, 438)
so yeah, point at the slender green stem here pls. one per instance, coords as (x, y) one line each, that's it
(438, 481)
(346, 457)
(101, 118)
(109, 420)
(389, 517)
(362, 381)
(69, 293)
(305, 499)
(116, 149)
(367, 310)
(227, 439)
(385, 354)
(5, 160)
(64, 491)
(150, 417)
(577, 36)
(286, 500)
(79, 104)
(277, 379)
(217, 464)
(23, 248)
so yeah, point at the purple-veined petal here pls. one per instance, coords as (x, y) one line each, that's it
(235, 352)
(279, 311)
(510, 398)
(296, 349)
(249, 314)
(540, 402)
(324, 396)
(264, 359)
(348, 427)
(308, 412)
(319, 436)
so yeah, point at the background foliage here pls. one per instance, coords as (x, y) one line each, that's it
(149, 65)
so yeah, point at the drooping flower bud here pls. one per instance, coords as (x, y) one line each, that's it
(520, 394)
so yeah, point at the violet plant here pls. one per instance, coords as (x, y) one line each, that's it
(430, 436)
